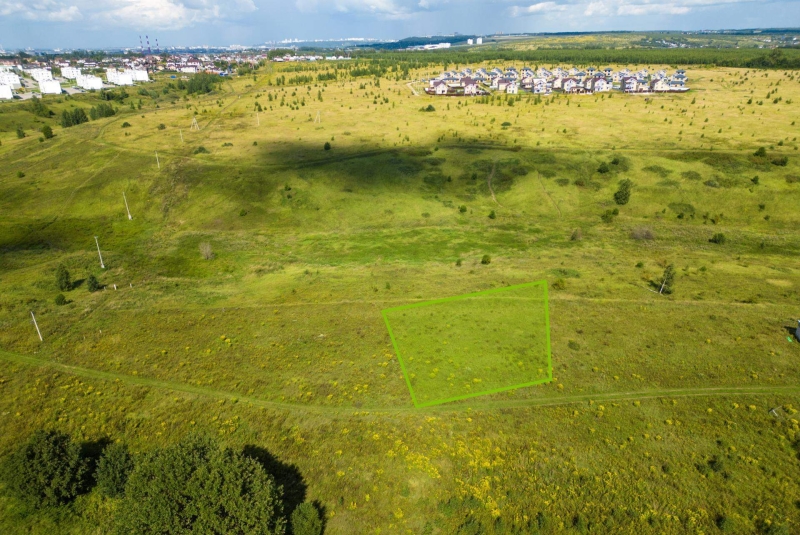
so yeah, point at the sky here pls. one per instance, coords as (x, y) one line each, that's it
(119, 23)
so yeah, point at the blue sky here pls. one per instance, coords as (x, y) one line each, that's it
(100, 23)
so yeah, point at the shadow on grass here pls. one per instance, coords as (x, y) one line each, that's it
(286, 475)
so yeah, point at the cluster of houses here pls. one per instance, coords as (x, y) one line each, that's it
(542, 81)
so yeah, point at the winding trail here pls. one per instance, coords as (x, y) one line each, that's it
(474, 404)
(489, 183)
(413, 91)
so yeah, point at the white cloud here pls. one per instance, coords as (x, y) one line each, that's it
(44, 10)
(648, 9)
(533, 9)
(382, 8)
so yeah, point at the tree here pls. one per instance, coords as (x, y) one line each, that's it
(623, 194)
(604, 168)
(74, 117)
(37, 107)
(63, 281)
(60, 300)
(760, 153)
(306, 520)
(113, 469)
(667, 280)
(327, 145)
(205, 251)
(47, 470)
(47, 132)
(20, 132)
(195, 486)
(92, 283)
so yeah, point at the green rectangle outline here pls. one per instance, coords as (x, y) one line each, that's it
(454, 298)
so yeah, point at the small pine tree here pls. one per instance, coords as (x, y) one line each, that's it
(667, 280)
(92, 283)
(306, 520)
(47, 132)
(113, 469)
(63, 281)
(327, 145)
(20, 132)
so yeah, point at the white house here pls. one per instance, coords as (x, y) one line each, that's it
(539, 86)
(479, 41)
(88, 81)
(190, 70)
(569, 84)
(10, 79)
(118, 78)
(629, 84)
(70, 73)
(50, 87)
(6, 93)
(512, 88)
(440, 87)
(659, 85)
(599, 84)
(470, 86)
(469, 41)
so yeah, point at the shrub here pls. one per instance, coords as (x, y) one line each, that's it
(162, 126)
(46, 471)
(113, 469)
(20, 132)
(61, 300)
(667, 280)
(559, 284)
(792, 179)
(577, 235)
(429, 108)
(604, 168)
(242, 212)
(642, 233)
(760, 153)
(486, 259)
(492, 215)
(609, 215)
(92, 283)
(126, 124)
(306, 520)
(327, 145)
(63, 281)
(780, 161)
(462, 208)
(691, 175)
(20, 174)
(205, 251)
(718, 238)
(47, 132)
(196, 486)
(458, 262)
(623, 194)
(201, 150)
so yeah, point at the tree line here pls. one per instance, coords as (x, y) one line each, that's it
(193, 486)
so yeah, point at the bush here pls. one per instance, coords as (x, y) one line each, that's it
(760, 153)
(667, 280)
(60, 300)
(486, 259)
(642, 233)
(92, 283)
(492, 215)
(781, 161)
(604, 168)
(429, 108)
(196, 486)
(162, 126)
(718, 238)
(46, 471)
(113, 469)
(126, 124)
(20, 132)
(47, 132)
(63, 281)
(623, 194)
(559, 284)
(201, 150)
(609, 215)
(462, 208)
(306, 520)
(327, 145)
(577, 235)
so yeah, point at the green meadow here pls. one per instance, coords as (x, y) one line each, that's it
(251, 279)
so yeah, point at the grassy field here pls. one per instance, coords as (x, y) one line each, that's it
(658, 416)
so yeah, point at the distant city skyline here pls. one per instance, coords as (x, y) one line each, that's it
(69, 24)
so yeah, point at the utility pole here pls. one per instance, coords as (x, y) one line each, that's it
(103, 266)
(37, 327)
(126, 206)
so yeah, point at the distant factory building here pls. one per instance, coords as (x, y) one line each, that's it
(70, 73)
(50, 87)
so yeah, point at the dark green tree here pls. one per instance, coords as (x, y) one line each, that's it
(20, 132)
(47, 470)
(195, 486)
(60, 300)
(667, 280)
(623, 194)
(63, 281)
(113, 469)
(306, 520)
(92, 283)
(47, 132)
(327, 145)
(37, 107)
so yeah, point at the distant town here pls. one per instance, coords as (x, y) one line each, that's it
(467, 82)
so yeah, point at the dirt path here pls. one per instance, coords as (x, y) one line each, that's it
(474, 404)
(489, 183)
(411, 87)
(548, 194)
